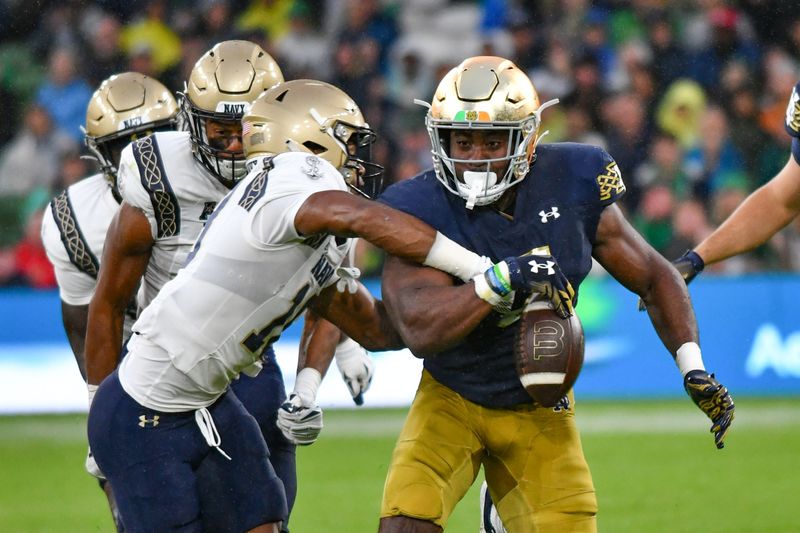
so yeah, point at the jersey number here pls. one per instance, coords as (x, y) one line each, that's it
(257, 341)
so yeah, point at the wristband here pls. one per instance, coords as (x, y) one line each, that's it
(306, 384)
(485, 292)
(694, 258)
(91, 389)
(454, 259)
(688, 358)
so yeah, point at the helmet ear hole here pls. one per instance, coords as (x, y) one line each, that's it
(315, 148)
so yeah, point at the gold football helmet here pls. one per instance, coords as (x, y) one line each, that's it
(126, 106)
(484, 93)
(221, 87)
(315, 117)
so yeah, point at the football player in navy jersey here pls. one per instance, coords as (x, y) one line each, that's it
(497, 193)
(773, 205)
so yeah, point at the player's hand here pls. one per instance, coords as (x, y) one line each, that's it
(689, 265)
(356, 367)
(91, 466)
(713, 399)
(300, 424)
(539, 274)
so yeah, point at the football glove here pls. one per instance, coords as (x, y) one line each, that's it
(91, 466)
(356, 367)
(538, 274)
(300, 424)
(689, 265)
(713, 399)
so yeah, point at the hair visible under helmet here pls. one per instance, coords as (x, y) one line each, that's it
(222, 85)
(484, 93)
(125, 107)
(315, 117)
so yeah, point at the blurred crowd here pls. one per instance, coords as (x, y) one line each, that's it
(689, 96)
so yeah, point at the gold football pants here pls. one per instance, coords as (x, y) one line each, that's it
(532, 457)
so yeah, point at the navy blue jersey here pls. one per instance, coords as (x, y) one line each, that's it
(792, 122)
(558, 205)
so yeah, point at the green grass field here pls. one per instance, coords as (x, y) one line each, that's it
(654, 466)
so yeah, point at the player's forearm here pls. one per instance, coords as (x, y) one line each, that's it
(671, 311)
(75, 318)
(752, 224)
(103, 340)
(433, 319)
(395, 232)
(317, 343)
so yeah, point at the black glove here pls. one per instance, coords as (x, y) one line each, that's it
(541, 274)
(713, 399)
(689, 265)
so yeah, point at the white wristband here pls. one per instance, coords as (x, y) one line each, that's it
(454, 259)
(306, 384)
(91, 390)
(688, 358)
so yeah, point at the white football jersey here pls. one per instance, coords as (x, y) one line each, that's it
(249, 276)
(73, 233)
(159, 175)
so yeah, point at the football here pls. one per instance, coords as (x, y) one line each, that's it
(548, 352)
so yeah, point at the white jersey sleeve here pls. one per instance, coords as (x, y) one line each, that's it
(145, 186)
(74, 286)
(73, 233)
(292, 178)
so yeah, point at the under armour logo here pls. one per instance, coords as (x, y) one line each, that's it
(562, 405)
(535, 267)
(144, 421)
(553, 213)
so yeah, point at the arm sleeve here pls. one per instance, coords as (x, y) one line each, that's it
(74, 287)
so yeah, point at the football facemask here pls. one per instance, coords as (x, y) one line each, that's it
(223, 83)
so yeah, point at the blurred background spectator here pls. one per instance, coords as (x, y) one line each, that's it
(689, 97)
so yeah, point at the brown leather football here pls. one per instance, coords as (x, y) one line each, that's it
(549, 353)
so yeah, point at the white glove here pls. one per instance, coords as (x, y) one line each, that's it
(348, 277)
(356, 367)
(300, 424)
(91, 466)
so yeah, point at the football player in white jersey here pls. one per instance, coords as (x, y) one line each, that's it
(125, 107)
(273, 246)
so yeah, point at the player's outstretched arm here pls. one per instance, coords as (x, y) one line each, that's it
(757, 219)
(635, 264)
(75, 319)
(359, 316)
(125, 256)
(398, 233)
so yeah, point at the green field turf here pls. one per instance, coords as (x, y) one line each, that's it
(654, 465)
